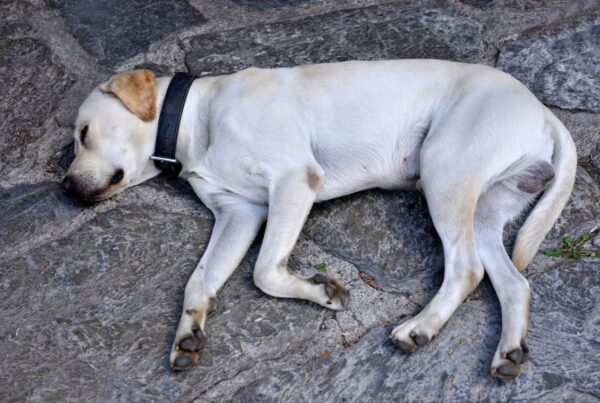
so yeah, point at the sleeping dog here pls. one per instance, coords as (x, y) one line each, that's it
(265, 144)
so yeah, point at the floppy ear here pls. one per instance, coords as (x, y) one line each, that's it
(137, 90)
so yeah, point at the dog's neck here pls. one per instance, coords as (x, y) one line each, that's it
(193, 136)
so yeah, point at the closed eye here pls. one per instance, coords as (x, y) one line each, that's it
(83, 134)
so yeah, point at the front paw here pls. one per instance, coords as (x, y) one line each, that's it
(186, 349)
(336, 295)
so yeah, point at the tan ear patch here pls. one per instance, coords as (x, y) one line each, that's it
(137, 90)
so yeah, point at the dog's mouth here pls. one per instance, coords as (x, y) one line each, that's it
(85, 202)
(91, 200)
(98, 197)
(88, 199)
(94, 198)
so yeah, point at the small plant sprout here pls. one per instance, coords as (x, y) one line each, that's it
(322, 267)
(574, 249)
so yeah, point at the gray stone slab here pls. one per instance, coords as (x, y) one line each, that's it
(114, 30)
(584, 130)
(91, 316)
(379, 32)
(31, 210)
(387, 235)
(582, 209)
(563, 336)
(560, 65)
(32, 83)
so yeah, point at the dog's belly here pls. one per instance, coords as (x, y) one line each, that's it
(357, 166)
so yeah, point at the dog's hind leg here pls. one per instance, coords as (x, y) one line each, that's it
(452, 206)
(236, 224)
(498, 205)
(290, 200)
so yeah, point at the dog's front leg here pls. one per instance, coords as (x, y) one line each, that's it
(236, 225)
(290, 200)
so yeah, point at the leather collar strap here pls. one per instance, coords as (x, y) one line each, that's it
(168, 123)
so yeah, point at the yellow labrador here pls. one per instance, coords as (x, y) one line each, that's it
(265, 144)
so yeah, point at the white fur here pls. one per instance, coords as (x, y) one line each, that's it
(265, 144)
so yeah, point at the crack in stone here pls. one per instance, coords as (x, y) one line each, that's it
(239, 372)
(587, 393)
(340, 256)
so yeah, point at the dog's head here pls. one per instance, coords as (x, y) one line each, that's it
(114, 137)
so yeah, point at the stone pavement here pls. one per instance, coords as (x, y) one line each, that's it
(90, 296)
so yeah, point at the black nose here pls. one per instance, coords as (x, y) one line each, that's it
(117, 177)
(66, 186)
(69, 187)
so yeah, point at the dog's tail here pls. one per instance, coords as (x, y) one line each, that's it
(550, 205)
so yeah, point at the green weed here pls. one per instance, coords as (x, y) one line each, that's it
(322, 267)
(574, 249)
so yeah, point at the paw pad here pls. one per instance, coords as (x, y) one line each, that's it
(507, 371)
(511, 363)
(402, 345)
(420, 339)
(188, 349)
(183, 361)
(194, 342)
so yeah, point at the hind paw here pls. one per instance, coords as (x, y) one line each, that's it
(507, 364)
(186, 350)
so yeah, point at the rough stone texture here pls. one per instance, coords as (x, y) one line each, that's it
(397, 252)
(32, 83)
(379, 32)
(560, 66)
(114, 30)
(267, 4)
(374, 370)
(142, 256)
(90, 296)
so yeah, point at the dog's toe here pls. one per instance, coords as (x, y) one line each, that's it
(337, 296)
(404, 346)
(193, 342)
(184, 360)
(411, 335)
(516, 355)
(344, 297)
(507, 365)
(420, 339)
(506, 371)
(187, 349)
(189, 343)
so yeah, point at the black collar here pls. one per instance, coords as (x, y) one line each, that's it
(168, 123)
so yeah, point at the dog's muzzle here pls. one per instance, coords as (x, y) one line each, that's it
(70, 188)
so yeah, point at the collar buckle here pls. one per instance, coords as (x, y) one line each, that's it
(163, 159)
